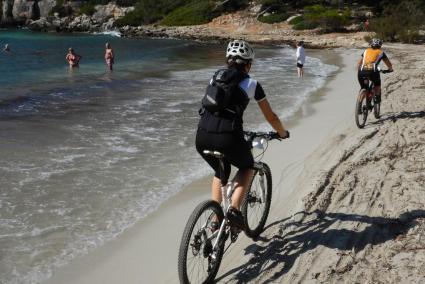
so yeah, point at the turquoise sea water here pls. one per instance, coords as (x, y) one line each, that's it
(86, 153)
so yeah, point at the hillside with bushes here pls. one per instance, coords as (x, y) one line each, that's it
(392, 20)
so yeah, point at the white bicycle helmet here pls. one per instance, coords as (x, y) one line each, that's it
(376, 42)
(241, 49)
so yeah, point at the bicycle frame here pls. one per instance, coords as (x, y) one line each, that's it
(228, 188)
(210, 230)
(370, 89)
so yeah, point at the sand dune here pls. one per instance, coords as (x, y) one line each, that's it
(364, 218)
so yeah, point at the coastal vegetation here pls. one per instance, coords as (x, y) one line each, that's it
(179, 12)
(326, 15)
(401, 22)
(391, 20)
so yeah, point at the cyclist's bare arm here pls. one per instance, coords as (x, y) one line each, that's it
(272, 118)
(388, 63)
(359, 63)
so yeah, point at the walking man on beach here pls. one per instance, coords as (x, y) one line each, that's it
(300, 58)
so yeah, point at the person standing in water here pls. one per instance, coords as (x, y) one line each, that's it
(109, 56)
(6, 48)
(300, 58)
(72, 58)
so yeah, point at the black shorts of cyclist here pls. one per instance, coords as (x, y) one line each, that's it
(233, 145)
(371, 75)
(299, 65)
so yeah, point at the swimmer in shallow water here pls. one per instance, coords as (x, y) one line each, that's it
(109, 56)
(6, 48)
(72, 58)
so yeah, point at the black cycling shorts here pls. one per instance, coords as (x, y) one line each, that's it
(235, 148)
(375, 77)
(299, 65)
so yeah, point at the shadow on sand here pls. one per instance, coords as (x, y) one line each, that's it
(396, 116)
(298, 237)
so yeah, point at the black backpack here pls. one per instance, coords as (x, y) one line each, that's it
(218, 95)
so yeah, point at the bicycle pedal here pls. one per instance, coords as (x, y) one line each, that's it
(234, 233)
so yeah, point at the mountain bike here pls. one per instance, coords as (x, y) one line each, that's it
(204, 238)
(366, 101)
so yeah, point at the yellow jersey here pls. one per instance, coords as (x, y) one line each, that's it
(371, 59)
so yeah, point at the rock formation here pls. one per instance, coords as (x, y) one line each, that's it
(43, 15)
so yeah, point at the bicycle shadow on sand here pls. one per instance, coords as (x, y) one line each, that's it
(295, 238)
(396, 116)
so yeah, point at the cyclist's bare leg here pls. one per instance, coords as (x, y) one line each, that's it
(216, 193)
(216, 189)
(242, 180)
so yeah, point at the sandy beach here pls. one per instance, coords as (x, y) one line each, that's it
(147, 253)
(348, 204)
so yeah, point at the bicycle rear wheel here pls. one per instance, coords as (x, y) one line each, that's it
(377, 110)
(256, 205)
(361, 111)
(198, 262)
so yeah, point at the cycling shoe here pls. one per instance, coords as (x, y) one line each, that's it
(235, 218)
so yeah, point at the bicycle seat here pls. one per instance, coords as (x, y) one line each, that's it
(216, 154)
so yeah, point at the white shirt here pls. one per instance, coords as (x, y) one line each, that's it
(300, 55)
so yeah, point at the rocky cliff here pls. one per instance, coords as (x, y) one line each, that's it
(21, 11)
(46, 15)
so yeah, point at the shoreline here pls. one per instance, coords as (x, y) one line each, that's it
(238, 25)
(146, 251)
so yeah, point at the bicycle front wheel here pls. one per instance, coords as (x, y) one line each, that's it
(198, 260)
(256, 205)
(361, 111)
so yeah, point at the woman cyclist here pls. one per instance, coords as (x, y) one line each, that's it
(223, 131)
(368, 68)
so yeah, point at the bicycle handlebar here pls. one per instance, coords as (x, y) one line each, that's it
(384, 71)
(251, 135)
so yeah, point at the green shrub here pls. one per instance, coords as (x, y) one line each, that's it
(273, 18)
(62, 11)
(400, 22)
(232, 5)
(150, 11)
(296, 20)
(367, 38)
(97, 2)
(304, 26)
(300, 23)
(326, 18)
(192, 14)
(87, 9)
(133, 18)
(125, 3)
